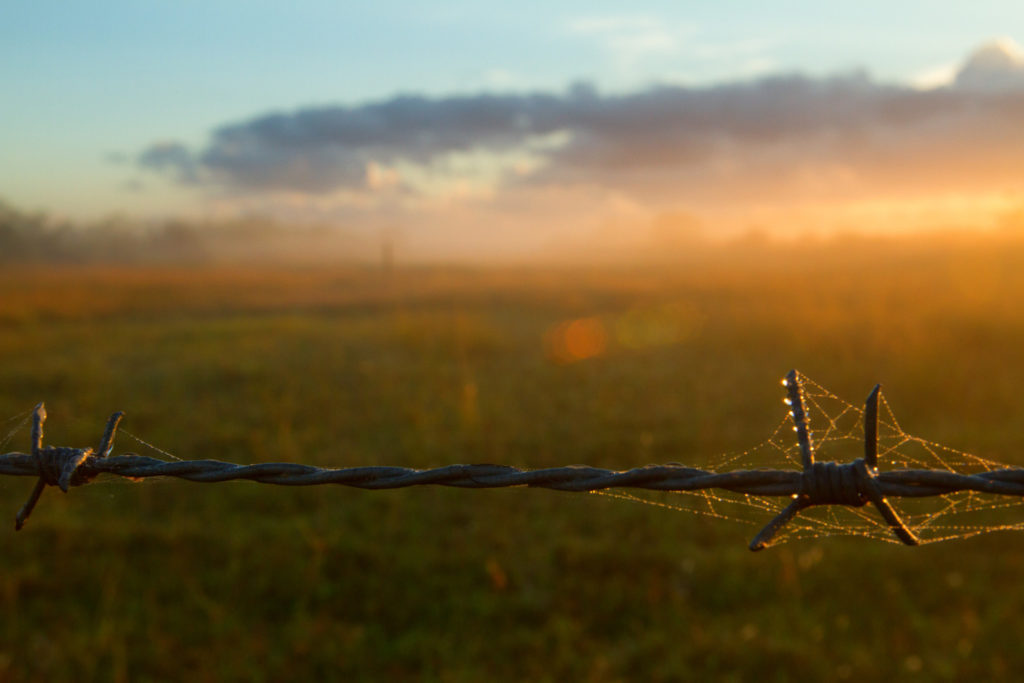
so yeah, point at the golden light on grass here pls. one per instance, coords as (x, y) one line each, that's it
(650, 327)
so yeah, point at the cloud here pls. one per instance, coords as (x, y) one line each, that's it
(995, 66)
(770, 139)
(170, 157)
(321, 149)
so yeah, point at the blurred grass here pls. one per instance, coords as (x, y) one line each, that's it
(159, 580)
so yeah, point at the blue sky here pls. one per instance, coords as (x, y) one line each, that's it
(87, 84)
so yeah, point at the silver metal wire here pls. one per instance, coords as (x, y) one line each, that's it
(852, 484)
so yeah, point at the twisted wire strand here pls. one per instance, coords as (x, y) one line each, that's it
(851, 484)
(577, 478)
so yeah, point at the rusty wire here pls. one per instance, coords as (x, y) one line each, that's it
(851, 484)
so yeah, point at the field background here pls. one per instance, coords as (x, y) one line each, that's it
(164, 580)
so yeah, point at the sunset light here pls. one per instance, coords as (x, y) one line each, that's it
(573, 136)
(449, 337)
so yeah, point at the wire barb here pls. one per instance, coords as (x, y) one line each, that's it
(61, 466)
(852, 484)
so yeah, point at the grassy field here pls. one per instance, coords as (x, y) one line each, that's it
(166, 579)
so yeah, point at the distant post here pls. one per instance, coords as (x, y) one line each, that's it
(387, 256)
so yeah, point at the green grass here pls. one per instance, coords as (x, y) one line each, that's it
(163, 580)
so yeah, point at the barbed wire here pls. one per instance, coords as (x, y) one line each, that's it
(851, 484)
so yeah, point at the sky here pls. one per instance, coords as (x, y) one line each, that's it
(509, 125)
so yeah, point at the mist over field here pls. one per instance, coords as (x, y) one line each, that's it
(669, 240)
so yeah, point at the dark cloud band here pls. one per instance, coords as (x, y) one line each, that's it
(650, 138)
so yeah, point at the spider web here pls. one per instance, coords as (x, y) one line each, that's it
(10, 427)
(837, 434)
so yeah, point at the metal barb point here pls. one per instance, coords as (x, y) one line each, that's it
(853, 484)
(60, 466)
(38, 418)
(795, 392)
(107, 442)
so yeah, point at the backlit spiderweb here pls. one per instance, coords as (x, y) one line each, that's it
(10, 427)
(837, 434)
